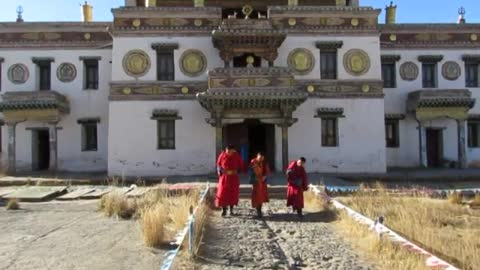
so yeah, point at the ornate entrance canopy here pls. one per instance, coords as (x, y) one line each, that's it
(235, 37)
(434, 104)
(47, 106)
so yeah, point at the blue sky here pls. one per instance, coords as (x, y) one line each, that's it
(69, 10)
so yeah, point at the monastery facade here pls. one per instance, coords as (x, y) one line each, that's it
(166, 85)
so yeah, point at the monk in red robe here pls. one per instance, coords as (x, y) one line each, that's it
(229, 163)
(297, 184)
(259, 171)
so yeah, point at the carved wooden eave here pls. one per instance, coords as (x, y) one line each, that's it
(235, 37)
(251, 88)
(434, 104)
(55, 35)
(325, 19)
(141, 21)
(46, 106)
(155, 90)
(233, 4)
(417, 36)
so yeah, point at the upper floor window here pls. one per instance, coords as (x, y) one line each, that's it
(165, 60)
(91, 72)
(165, 119)
(429, 70)
(389, 71)
(472, 63)
(328, 59)
(44, 72)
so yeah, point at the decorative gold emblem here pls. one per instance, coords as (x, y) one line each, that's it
(365, 88)
(127, 90)
(247, 11)
(393, 37)
(250, 60)
(409, 71)
(356, 62)
(451, 70)
(184, 90)
(66, 72)
(87, 36)
(193, 63)
(301, 61)
(354, 22)
(136, 23)
(136, 63)
(18, 73)
(311, 88)
(198, 22)
(473, 37)
(292, 21)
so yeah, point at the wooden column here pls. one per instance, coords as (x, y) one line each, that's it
(422, 145)
(12, 160)
(462, 146)
(52, 128)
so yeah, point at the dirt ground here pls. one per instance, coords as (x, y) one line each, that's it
(71, 235)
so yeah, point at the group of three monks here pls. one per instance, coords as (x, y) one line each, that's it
(230, 164)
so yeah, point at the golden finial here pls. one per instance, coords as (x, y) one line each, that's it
(250, 60)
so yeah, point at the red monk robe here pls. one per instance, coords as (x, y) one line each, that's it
(260, 189)
(297, 183)
(228, 188)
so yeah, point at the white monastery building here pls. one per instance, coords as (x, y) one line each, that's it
(166, 85)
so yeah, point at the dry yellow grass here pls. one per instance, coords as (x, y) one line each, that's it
(12, 205)
(153, 220)
(449, 230)
(201, 218)
(117, 204)
(314, 202)
(476, 200)
(384, 253)
(180, 207)
(455, 198)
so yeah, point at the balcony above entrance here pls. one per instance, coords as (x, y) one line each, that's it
(434, 104)
(234, 37)
(47, 106)
(251, 90)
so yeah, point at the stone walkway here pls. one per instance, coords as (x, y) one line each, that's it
(279, 241)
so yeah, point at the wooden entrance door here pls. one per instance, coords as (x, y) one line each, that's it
(434, 147)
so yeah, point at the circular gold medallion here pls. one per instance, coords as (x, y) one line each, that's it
(184, 90)
(136, 63)
(365, 88)
(473, 37)
(311, 88)
(87, 36)
(193, 63)
(292, 21)
(356, 62)
(354, 22)
(127, 90)
(393, 37)
(198, 22)
(136, 23)
(301, 61)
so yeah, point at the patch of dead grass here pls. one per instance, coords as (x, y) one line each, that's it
(384, 253)
(449, 230)
(455, 198)
(13, 204)
(153, 220)
(116, 203)
(313, 202)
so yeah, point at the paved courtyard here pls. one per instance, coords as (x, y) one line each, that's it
(71, 235)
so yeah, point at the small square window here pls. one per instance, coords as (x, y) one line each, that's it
(473, 134)
(330, 132)
(392, 133)
(89, 137)
(165, 134)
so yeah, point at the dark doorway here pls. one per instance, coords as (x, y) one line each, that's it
(250, 138)
(434, 147)
(40, 150)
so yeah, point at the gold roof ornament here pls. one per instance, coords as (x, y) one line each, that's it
(247, 11)
(391, 13)
(87, 12)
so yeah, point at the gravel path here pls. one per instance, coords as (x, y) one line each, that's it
(279, 241)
